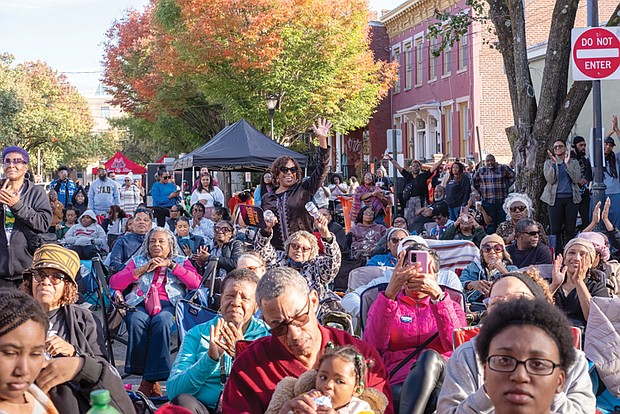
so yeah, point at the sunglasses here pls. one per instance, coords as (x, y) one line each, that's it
(498, 248)
(518, 208)
(127, 181)
(299, 320)
(166, 177)
(395, 240)
(292, 170)
(55, 278)
(221, 230)
(14, 161)
(531, 233)
(297, 246)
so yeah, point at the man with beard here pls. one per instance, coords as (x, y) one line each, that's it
(102, 193)
(527, 250)
(610, 178)
(579, 153)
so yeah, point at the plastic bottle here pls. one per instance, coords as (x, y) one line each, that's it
(100, 403)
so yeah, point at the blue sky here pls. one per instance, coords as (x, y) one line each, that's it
(68, 34)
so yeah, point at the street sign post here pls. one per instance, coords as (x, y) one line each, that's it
(596, 53)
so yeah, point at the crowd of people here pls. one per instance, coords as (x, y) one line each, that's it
(501, 333)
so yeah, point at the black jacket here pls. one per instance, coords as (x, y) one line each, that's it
(33, 214)
(230, 254)
(87, 337)
(289, 205)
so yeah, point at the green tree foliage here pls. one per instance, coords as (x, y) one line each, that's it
(39, 109)
(228, 55)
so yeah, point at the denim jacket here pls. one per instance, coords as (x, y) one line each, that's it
(174, 288)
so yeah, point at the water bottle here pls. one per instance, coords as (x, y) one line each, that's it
(100, 403)
(312, 209)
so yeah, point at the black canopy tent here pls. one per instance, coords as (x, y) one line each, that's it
(238, 147)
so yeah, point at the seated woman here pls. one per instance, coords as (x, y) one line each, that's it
(478, 276)
(413, 312)
(70, 218)
(24, 325)
(225, 248)
(253, 261)
(365, 234)
(159, 276)
(532, 333)
(195, 380)
(464, 228)
(301, 252)
(220, 213)
(371, 195)
(463, 389)
(86, 238)
(199, 225)
(114, 223)
(517, 206)
(191, 245)
(574, 281)
(74, 342)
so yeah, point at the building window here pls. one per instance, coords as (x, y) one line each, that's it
(447, 61)
(105, 112)
(447, 128)
(463, 53)
(396, 58)
(407, 66)
(464, 127)
(432, 61)
(419, 61)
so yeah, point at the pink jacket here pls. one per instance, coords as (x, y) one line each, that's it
(397, 327)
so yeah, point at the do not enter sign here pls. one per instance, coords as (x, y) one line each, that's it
(596, 53)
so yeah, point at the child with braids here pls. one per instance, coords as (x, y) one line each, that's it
(23, 327)
(340, 381)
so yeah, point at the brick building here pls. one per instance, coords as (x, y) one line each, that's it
(455, 102)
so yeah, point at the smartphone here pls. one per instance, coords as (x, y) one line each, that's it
(418, 256)
(465, 210)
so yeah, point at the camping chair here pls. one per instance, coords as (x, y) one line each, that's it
(362, 275)
(112, 309)
(200, 305)
(368, 297)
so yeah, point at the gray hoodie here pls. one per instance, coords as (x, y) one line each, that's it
(462, 391)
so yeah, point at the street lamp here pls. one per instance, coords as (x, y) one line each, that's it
(272, 102)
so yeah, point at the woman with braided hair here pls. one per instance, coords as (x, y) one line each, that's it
(23, 326)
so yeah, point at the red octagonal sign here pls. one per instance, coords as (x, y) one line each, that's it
(596, 53)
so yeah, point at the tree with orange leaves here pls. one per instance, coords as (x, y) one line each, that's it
(230, 54)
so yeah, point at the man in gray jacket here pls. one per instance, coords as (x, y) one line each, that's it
(463, 392)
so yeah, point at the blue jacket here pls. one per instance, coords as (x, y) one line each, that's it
(124, 247)
(65, 190)
(383, 260)
(194, 372)
(473, 272)
(160, 193)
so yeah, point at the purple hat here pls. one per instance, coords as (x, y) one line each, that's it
(17, 149)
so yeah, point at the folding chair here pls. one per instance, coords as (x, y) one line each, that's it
(112, 317)
(362, 275)
(200, 305)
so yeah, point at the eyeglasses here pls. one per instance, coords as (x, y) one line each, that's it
(395, 240)
(533, 366)
(292, 170)
(297, 246)
(253, 268)
(298, 321)
(14, 161)
(221, 230)
(488, 302)
(559, 146)
(518, 208)
(55, 278)
(531, 233)
(498, 248)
